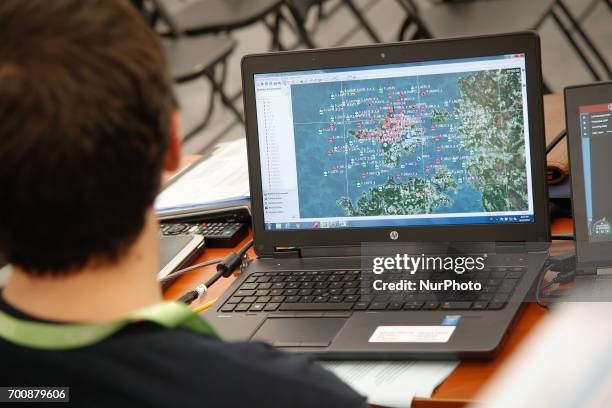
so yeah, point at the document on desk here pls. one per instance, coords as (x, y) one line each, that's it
(392, 383)
(565, 362)
(218, 180)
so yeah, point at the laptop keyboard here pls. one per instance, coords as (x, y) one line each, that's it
(351, 290)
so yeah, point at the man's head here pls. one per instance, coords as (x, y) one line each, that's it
(86, 111)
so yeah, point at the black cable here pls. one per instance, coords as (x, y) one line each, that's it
(555, 141)
(232, 261)
(539, 288)
(200, 289)
(225, 267)
(562, 277)
(183, 271)
(193, 294)
(566, 266)
(245, 248)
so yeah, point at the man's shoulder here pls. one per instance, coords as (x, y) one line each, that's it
(156, 366)
(267, 374)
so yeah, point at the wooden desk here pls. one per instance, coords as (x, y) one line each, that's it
(466, 381)
(462, 386)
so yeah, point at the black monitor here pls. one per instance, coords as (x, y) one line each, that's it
(427, 140)
(589, 130)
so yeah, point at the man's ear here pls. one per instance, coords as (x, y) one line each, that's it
(173, 151)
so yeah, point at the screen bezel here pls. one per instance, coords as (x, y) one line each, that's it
(575, 97)
(416, 51)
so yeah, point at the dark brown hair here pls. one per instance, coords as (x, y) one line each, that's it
(85, 111)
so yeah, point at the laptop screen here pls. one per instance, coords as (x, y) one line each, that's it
(596, 141)
(427, 143)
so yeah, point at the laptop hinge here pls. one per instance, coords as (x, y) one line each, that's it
(287, 252)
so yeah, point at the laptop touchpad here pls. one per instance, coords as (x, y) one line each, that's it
(300, 332)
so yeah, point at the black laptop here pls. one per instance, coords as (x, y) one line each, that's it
(589, 131)
(408, 148)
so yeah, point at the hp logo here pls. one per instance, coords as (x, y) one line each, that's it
(394, 235)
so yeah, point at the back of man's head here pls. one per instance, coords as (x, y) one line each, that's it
(85, 111)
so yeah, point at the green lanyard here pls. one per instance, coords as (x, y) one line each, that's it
(60, 336)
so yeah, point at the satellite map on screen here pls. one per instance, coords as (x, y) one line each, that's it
(443, 143)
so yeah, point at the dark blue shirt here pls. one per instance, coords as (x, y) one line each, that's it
(147, 365)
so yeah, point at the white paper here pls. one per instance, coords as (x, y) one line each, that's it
(5, 274)
(412, 334)
(220, 178)
(392, 383)
(565, 362)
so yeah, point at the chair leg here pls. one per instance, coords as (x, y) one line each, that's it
(228, 103)
(588, 10)
(300, 26)
(207, 116)
(412, 17)
(405, 26)
(423, 33)
(589, 43)
(218, 88)
(209, 110)
(575, 45)
(545, 88)
(362, 20)
(420, 32)
(275, 29)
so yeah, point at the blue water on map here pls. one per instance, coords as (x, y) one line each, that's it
(332, 162)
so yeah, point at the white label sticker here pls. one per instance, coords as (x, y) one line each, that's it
(412, 334)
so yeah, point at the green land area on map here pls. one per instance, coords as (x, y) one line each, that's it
(411, 145)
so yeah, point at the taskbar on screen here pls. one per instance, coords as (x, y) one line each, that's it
(325, 224)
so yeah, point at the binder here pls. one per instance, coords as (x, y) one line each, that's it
(216, 186)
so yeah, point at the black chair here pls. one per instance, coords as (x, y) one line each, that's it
(192, 58)
(460, 18)
(303, 7)
(224, 16)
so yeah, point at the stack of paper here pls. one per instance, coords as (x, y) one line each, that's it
(5, 273)
(392, 383)
(220, 180)
(565, 362)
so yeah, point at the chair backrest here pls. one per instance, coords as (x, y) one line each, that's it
(409, 6)
(303, 6)
(155, 10)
